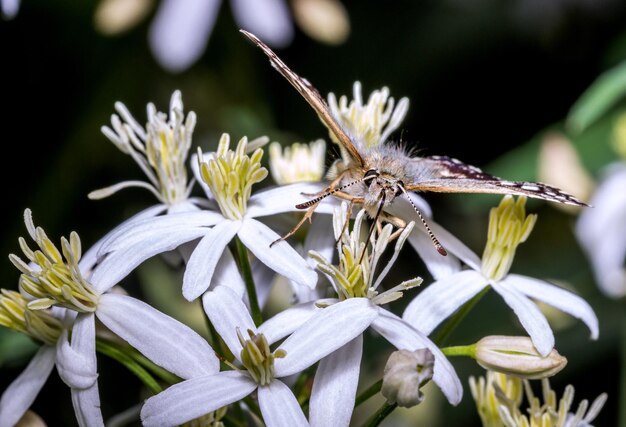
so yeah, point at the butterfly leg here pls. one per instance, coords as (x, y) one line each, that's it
(307, 215)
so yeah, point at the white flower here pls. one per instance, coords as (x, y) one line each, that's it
(499, 397)
(601, 231)
(180, 30)
(160, 150)
(508, 227)
(261, 368)
(230, 175)
(9, 8)
(336, 379)
(59, 278)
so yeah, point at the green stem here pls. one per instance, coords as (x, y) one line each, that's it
(381, 414)
(246, 271)
(117, 354)
(460, 350)
(454, 321)
(371, 391)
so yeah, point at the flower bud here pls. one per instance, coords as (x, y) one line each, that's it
(517, 356)
(405, 372)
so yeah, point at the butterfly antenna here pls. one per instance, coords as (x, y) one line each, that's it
(438, 245)
(318, 199)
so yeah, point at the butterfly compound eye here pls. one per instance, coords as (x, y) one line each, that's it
(370, 175)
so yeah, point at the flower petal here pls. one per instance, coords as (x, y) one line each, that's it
(330, 329)
(180, 31)
(119, 264)
(334, 388)
(201, 264)
(404, 337)
(281, 257)
(227, 274)
(529, 315)
(442, 298)
(227, 312)
(287, 321)
(285, 198)
(556, 297)
(195, 397)
(21, 394)
(162, 339)
(86, 404)
(455, 246)
(90, 257)
(76, 363)
(279, 406)
(439, 266)
(268, 19)
(403, 209)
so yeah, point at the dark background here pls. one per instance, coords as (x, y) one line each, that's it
(483, 77)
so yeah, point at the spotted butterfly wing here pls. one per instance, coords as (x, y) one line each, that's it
(312, 96)
(447, 175)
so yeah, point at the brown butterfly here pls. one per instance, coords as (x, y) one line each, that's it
(374, 176)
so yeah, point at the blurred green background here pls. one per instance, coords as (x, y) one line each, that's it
(486, 79)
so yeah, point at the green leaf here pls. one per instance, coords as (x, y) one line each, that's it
(598, 99)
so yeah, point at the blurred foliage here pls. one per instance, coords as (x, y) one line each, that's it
(486, 80)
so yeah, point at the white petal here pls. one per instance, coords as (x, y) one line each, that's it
(442, 298)
(404, 337)
(180, 31)
(227, 274)
(279, 406)
(119, 264)
(203, 260)
(134, 232)
(268, 19)
(162, 339)
(328, 330)
(9, 8)
(529, 315)
(439, 266)
(21, 394)
(76, 363)
(90, 257)
(334, 388)
(287, 321)
(263, 277)
(455, 246)
(556, 297)
(607, 250)
(281, 257)
(227, 312)
(86, 404)
(285, 198)
(401, 208)
(195, 397)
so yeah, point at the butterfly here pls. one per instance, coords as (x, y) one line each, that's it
(374, 176)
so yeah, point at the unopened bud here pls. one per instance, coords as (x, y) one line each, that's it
(405, 372)
(517, 356)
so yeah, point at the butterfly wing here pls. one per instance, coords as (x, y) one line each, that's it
(312, 96)
(448, 175)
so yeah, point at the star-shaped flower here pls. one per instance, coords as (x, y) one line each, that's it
(229, 176)
(258, 368)
(508, 227)
(59, 280)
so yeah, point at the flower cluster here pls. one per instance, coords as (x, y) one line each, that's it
(299, 365)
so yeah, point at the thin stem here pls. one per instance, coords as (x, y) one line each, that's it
(381, 414)
(454, 321)
(460, 350)
(246, 271)
(371, 391)
(117, 354)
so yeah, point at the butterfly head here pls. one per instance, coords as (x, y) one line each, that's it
(381, 187)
